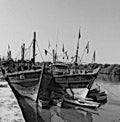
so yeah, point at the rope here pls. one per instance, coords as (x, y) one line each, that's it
(40, 52)
(30, 45)
(18, 54)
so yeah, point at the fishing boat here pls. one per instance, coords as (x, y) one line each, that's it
(74, 80)
(78, 86)
(23, 70)
(31, 97)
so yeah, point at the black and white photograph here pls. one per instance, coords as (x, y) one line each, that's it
(59, 61)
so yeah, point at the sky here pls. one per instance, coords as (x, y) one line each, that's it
(59, 21)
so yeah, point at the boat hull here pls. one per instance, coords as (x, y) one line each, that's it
(25, 76)
(75, 81)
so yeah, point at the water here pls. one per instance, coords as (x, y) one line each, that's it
(9, 109)
(110, 112)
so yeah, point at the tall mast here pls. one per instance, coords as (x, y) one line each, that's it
(53, 56)
(76, 57)
(22, 51)
(9, 52)
(34, 41)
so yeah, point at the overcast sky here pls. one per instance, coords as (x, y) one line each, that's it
(59, 22)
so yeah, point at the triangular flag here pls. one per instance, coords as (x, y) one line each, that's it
(63, 48)
(87, 47)
(46, 52)
(79, 36)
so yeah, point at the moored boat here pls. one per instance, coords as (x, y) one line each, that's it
(81, 103)
(23, 70)
(32, 96)
(73, 80)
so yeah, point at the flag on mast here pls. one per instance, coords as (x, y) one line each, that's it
(79, 36)
(93, 60)
(63, 49)
(87, 47)
(46, 51)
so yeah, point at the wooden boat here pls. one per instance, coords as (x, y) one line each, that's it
(80, 103)
(78, 87)
(31, 96)
(64, 74)
(71, 77)
(23, 70)
(73, 80)
(26, 81)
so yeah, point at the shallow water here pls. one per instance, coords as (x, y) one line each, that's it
(9, 108)
(110, 112)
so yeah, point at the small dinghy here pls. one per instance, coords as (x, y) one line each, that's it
(80, 102)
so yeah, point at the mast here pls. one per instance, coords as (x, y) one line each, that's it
(22, 51)
(9, 52)
(76, 57)
(53, 56)
(34, 41)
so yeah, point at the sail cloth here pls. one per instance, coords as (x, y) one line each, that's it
(79, 36)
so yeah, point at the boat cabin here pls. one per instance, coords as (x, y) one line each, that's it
(60, 68)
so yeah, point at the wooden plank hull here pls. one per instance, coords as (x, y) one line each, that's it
(75, 81)
(25, 76)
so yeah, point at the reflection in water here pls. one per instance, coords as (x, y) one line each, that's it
(32, 112)
(109, 78)
(69, 115)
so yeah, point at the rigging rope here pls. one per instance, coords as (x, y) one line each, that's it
(27, 53)
(40, 52)
(18, 54)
